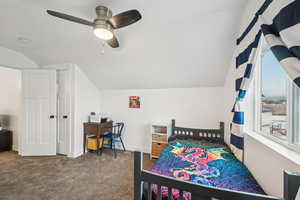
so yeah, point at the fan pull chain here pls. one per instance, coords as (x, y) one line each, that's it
(103, 48)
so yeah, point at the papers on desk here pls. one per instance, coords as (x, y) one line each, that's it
(96, 118)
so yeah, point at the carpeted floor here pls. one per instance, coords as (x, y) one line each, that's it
(8, 155)
(86, 178)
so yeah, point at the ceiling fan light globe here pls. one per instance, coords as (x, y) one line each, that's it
(103, 33)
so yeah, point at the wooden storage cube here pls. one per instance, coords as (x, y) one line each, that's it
(160, 129)
(160, 138)
(157, 148)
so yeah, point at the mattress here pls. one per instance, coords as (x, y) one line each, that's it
(204, 162)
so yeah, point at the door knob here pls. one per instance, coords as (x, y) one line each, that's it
(65, 116)
(52, 116)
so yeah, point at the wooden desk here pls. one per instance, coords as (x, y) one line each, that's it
(97, 129)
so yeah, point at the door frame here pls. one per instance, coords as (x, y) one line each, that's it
(60, 118)
(71, 141)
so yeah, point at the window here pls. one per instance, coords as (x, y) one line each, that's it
(273, 100)
(276, 100)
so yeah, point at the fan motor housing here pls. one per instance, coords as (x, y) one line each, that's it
(102, 24)
(103, 13)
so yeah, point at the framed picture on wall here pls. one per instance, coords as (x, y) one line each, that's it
(134, 102)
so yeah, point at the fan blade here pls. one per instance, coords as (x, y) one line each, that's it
(113, 42)
(70, 18)
(125, 18)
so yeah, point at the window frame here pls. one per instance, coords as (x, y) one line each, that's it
(293, 106)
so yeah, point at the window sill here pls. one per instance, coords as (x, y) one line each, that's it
(288, 153)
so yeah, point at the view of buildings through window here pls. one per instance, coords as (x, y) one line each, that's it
(273, 97)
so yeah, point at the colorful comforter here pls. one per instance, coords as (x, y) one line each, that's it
(205, 163)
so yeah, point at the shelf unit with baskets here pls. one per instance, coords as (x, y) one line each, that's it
(159, 136)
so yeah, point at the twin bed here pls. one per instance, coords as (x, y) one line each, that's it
(198, 165)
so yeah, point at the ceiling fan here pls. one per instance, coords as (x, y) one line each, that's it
(105, 23)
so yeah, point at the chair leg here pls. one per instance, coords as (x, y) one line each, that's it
(122, 144)
(114, 148)
(98, 145)
(101, 150)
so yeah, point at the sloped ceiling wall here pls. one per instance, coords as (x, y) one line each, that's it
(13, 59)
(176, 44)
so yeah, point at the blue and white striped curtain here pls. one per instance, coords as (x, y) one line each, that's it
(279, 22)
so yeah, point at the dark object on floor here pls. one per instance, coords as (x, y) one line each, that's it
(115, 136)
(5, 140)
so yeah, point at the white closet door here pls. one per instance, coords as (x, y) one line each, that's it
(64, 107)
(39, 104)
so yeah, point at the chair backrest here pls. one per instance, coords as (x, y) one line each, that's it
(119, 128)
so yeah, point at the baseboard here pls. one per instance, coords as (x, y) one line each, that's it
(134, 148)
(78, 154)
(128, 148)
(15, 147)
(75, 155)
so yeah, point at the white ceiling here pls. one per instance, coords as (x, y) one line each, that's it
(176, 44)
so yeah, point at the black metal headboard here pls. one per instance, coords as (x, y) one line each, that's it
(209, 134)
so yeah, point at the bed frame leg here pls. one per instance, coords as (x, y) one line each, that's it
(172, 127)
(137, 176)
(222, 127)
(291, 185)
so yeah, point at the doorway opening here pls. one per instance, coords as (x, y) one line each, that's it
(10, 111)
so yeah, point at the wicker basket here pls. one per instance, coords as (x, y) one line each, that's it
(91, 143)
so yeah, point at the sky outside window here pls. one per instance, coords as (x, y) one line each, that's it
(273, 76)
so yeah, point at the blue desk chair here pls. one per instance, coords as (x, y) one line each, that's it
(115, 136)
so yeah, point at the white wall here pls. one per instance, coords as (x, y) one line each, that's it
(10, 87)
(267, 166)
(13, 59)
(198, 107)
(264, 163)
(87, 100)
(11, 98)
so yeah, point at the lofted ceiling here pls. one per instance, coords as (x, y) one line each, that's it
(177, 43)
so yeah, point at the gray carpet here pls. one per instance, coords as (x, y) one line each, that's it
(86, 178)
